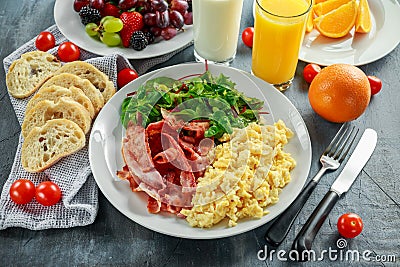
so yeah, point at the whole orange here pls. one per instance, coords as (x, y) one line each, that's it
(340, 93)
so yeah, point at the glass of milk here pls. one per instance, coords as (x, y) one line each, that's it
(216, 26)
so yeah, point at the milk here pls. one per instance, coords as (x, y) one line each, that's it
(216, 26)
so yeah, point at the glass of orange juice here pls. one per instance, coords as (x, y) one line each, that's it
(279, 28)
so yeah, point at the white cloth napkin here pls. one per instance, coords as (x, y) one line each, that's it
(79, 203)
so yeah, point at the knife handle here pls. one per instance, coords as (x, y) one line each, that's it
(277, 232)
(305, 237)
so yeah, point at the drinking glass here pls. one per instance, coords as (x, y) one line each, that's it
(279, 28)
(216, 25)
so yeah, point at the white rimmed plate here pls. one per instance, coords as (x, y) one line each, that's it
(105, 157)
(356, 48)
(68, 22)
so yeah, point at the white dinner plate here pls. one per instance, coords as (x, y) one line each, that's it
(68, 22)
(105, 156)
(356, 48)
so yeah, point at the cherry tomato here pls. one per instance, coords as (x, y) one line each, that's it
(375, 83)
(349, 225)
(45, 41)
(48, 193)
(124, 76)
(22, 191)
(247, 36)
(68, 52)
(310, 71)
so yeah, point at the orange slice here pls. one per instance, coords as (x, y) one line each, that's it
(363, 20)
(310, 23)
(319, 1)
(338, 22)
(327, 6)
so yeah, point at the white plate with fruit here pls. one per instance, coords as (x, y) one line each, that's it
(69, 22)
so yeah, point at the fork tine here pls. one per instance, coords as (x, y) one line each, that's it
(343, 155)
(342, 142)
(337, 138)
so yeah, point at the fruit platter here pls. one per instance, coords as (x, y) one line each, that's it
(136, 29)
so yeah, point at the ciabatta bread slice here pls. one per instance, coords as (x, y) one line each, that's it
(55, 92)
(27, 73)
(46, 145)
(67, 80)
(65, 108)
(95, 76)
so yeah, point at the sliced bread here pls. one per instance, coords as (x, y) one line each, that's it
(95, 76)
(55, 92)
(65, 108)
(27, 73)
(45, 145)
(67, 80)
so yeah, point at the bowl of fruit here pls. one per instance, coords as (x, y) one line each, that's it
(135, 28)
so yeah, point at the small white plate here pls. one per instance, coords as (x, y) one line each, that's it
(356, 48)
(68, 22)
(105, 155)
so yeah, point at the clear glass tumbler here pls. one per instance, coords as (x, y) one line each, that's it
(279, 29)
(216, 25)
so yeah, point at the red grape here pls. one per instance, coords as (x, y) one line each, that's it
(126, 4)
(150, 19)
(159, 5)
(97, 4)
(144, 7)
(78, 4)
(180, 6)
(176, 19)
(168, 33)
(162, 19)
(156, 31)
(188, 18)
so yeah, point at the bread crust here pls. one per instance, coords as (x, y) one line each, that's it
(65, 108)
(94, 75)
(68, 80)
(55, 92)
(27, 73)
(46, 145)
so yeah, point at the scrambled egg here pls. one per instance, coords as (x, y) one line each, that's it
(246, 175)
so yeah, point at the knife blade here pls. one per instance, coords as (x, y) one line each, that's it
(363, 151)
(356, 162)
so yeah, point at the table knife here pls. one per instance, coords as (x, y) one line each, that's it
(342, 184)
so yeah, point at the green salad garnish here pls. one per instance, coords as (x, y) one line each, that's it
(206, 97)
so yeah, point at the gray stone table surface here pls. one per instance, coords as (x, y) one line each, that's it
(113, 239)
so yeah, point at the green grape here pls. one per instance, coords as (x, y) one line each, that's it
(91, 29)
(104, 19)
(111, 38)
(113, 25)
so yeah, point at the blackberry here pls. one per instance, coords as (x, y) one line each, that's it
(149, 37)
(89, 14)
(138, 41)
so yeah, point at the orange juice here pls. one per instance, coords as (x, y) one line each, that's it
(278, 33)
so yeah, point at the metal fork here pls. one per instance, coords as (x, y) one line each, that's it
(330, 159)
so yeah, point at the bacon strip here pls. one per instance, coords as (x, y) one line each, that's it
(164, 160)
(137, 156)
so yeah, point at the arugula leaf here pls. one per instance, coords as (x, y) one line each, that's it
(209, 97)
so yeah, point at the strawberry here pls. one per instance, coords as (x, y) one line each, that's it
(110, 10)
(133, 21)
